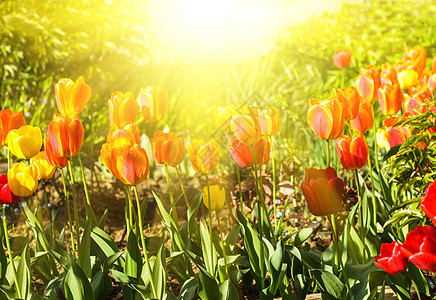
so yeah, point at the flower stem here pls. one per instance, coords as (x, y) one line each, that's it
(76, 214)
(67, 199)
(222, 242)
(274, 183)
(141, 231)
(240, 188)
(210, 212)
(84, 180)
(331, 218)
(328, 153)
(11, 259)
(128, 213)
(170, 190)
(374, 201)
(9, 158)
(182, 187)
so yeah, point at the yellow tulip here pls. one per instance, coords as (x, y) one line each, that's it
(25, 142)
(204, 156)
(71, 97)
(269, 120)
(22, 179)
(44, 169)
(217, 197)
(407, 78)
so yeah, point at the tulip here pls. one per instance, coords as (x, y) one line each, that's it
(129, 163)
(269, 120)
(325, 117)
(9, 120)
(25, 142)
(167, 148)
(52, 158)
(395, 135)
(129, 131)
(44, 169)
(217, 197)
(350, 100)
(431, 82)
(342, 58)
(352, 151)
(223, 117)
(364, 120)
(416, 55)
(388, 75)
(407, 78)
(390, 98)
(243, 154)
(382, 141)
(367, 82)
(204, 156)
(66, 136)
(153, 103)
(414, 105)
(428, 203)
(433, 68)
(6, 195)
(22, 179)
(246, 126)
(323, 191)
(71, 97)
(391, 259)
(420, 247)
(123, 108)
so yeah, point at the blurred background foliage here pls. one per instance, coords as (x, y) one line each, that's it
(114, 46)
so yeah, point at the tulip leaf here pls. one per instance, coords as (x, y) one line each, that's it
(76, 284)
(209, 253)
(302, 236)
(419, 279)
(207, 286)
(133, 266)
(102, 242)
(159, 273)
(188, 290)
(23, 273)
(228, 291)
(329, 283)
(84, 250)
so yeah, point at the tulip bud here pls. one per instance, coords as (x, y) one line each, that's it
(22, 179)
(350, 101)
(9, 120)
(368, 82)
(167, 148)
(364, 120)
(352, 151)
(66, 136)
(390, 98)
(217, 197)
(342, 58)
(123, 108)
(326, 118)
(204, 156)
(269, 120)
(71, 97)
(25, 142)
(153, 103)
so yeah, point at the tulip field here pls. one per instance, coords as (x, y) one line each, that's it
(311, 173)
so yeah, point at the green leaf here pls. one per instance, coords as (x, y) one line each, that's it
(233, 235)
(76, 284)
(207, 286)
(134, 262)
(189, 287)
(419, 279)
(102, 220)
(329, 283)
(101, 285)
(84, 251)
(209, 254)
(23, 273)
(159, 273)
(103, 242)
(302, 236)
(227, 290)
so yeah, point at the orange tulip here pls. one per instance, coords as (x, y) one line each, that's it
(71, 97)
(153, 103)
(352, 151)
(269, 120)
(325, 117)
(122, 108)
(390, 98)
(167, 148)
(246, 126)
(323, 191)
(350, 100)
(415, 56)
(388, 75)
(66, 136)
(129, 131)
(364, 120)
(52, 158)
(368, 82)
(342, 58)
(129, 163)
(9, 120)
(204, 156)
(243, 154)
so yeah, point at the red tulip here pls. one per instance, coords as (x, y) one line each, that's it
(326, 118)
(9, 120)
(6, 195)
(243, 154)
(428, 203)
(342, 58)
(353, 152)
(364, 120)
(52, 158)
(420, 247)
(66, 136)
(323, 191)
(395, 135)
(391, 259)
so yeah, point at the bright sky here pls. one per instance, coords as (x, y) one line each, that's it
(225, 30)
